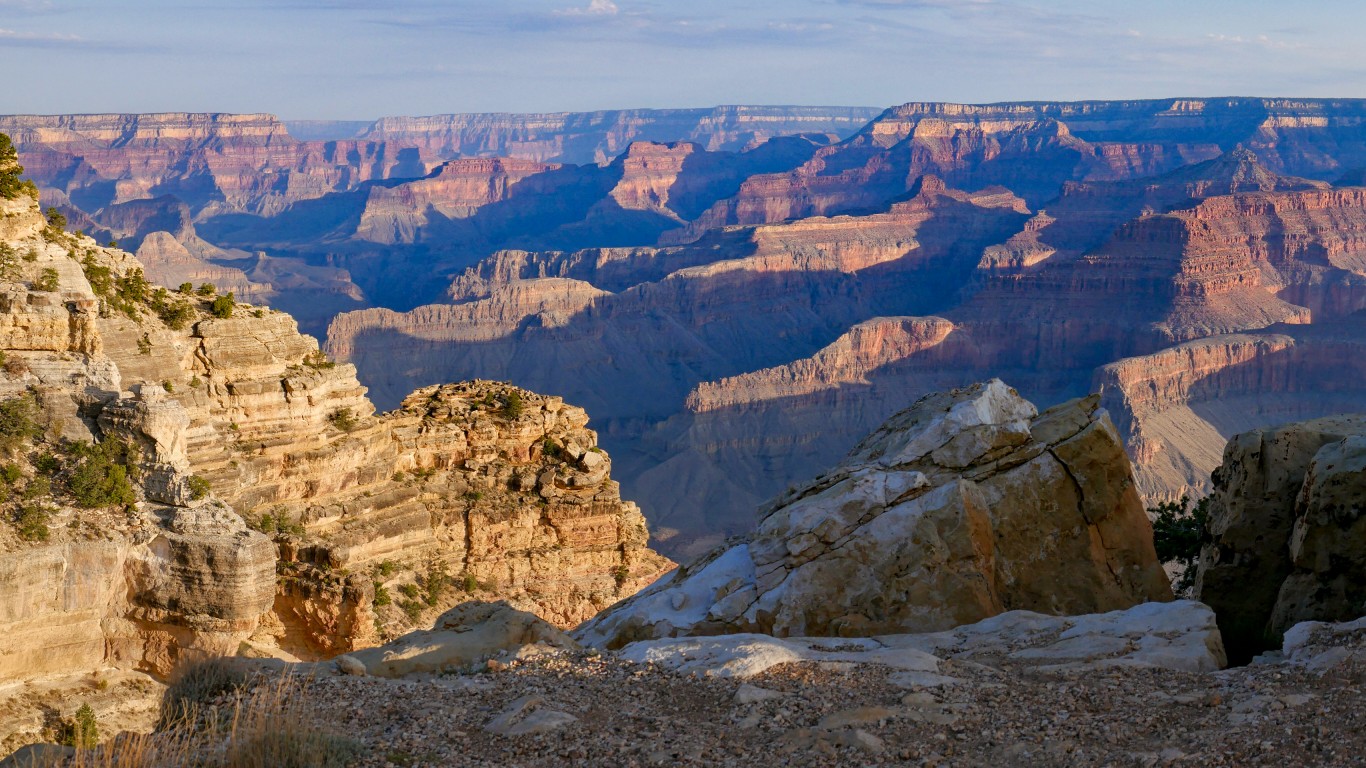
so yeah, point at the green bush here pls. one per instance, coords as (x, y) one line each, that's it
(103, 474)
(18, 422)
(207, 289)
(318, 359)
(343, 419)
(199, 487)
(185, 289)
(101, 278)
(1179, 534)
(56, 226)
(435, 584)
(513, 406)
(12, 184)
(223, 305)
(382, 596)
(10, 474)
(81, 731)
(31, 521)
(48, 280)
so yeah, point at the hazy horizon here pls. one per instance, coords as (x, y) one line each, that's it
(347, 61)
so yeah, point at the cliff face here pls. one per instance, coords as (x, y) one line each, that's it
(268, 504)
(596, 137)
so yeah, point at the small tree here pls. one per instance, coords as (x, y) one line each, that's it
(186, 289)
(11, 183)
(1179, 534)
(512, 405)
(82, 732)
(223, 305)
(48, 280)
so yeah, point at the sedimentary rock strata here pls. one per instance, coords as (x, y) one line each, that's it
(268, 504)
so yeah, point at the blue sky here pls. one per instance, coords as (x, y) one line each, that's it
(359, 59)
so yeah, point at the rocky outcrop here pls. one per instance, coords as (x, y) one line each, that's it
(251, 454)
(965, 505)
(1286, 526)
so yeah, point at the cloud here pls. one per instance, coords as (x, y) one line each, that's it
(595, 8)
(11, 37)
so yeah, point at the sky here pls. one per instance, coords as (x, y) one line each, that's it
(362, 59)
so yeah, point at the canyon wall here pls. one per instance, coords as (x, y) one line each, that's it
(270, 505)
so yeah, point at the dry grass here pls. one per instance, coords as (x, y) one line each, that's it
(217, 719)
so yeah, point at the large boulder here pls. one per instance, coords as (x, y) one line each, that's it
(968, 504)
(1287, 533)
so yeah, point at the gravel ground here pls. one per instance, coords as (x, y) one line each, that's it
(630, 715)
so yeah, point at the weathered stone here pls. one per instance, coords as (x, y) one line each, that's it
(461, 639)
(1287, 533)
(894, 539)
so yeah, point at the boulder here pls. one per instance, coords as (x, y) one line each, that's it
(968, 504)
(1287, 538)
(462, 638)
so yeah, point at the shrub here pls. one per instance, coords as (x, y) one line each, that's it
(185, 289)
(18, 421)
(1179, 534)
(223, 305)
(343, 419)
(9, 262)
(199, 487)
(620, 574)
(512, 405)
(168, 386)
(56, 225)
(409, 591)
(81, 731)
(11, 183)
(196, 382)
(10, 474)
(550, 449)
(412, 609)
(47, 463)
(101, 277)
(48, 280)
(318, 359)
(469, 583)
(37, 488)
(382, 596)
(16, 366)
(102, 476)
(31, 521)
(436, 583)
(195, 684)
(207, 289)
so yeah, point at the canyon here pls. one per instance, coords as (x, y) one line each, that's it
(739, 295)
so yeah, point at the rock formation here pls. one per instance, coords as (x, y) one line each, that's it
(967, 504)
(250, 453)
(1286, 526)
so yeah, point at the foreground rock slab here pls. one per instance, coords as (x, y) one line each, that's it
(1179, 636)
